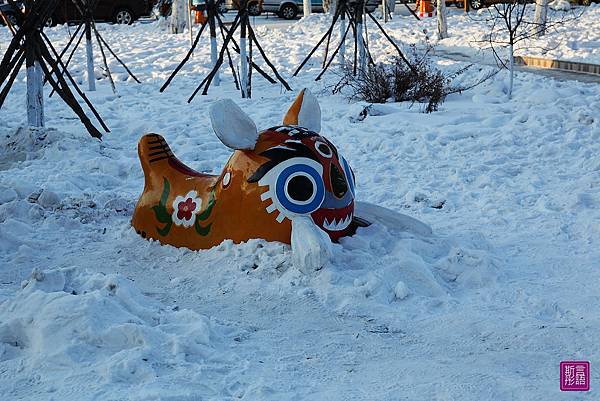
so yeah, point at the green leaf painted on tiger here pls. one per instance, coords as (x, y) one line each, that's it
(203, 231)
(165, 230)
(160, 210)
(211, 203)
(161, 214)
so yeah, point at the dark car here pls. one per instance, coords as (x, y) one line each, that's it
(288, 9)
(9, 12)
(164, 6)
(117, 11)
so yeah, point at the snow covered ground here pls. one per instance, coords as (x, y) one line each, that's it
(484, 308)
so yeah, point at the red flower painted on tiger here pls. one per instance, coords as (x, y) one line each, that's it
(185, 209)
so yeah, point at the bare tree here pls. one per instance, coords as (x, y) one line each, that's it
(179, 18)
(307, 7)
(442, 19)
(541, 16)
(329, 6)
(390, 6)
(511, 24)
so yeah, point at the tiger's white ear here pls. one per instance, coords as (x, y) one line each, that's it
(233, 127)
(305, 112)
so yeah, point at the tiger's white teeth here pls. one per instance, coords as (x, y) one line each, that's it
(337, 225)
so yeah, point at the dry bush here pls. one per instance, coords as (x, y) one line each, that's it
(374, 86)
(398, 82)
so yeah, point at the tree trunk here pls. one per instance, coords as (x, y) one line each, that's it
(511, 70)
(35, 86)
(35, 96)
(178, 17)
(362, 57)
(89, 51)
(442, 23)
(213, 39)
(188, 11)
(307, 7)
(342, 52)
(541, 14)
(332, 7)
(243, 61)
(390, 6)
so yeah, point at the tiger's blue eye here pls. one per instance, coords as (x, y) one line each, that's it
(300, 189)
(295, 187)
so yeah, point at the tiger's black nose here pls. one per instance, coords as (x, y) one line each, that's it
(338, 182)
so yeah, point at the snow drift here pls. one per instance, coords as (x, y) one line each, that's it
(66, 329)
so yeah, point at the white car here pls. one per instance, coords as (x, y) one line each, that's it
(288, 9)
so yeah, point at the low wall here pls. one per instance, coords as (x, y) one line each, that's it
(558, 64)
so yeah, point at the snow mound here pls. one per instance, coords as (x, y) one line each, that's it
(380, 268)
(25, 144)
(67, 331)
(560, 5)
(385, 273)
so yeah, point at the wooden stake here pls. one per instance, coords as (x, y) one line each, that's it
(20, 59)
(334, 53)
(266, 60)
(103, 42)
(44, 54)
(314, 49)
(8, 23)
(70, 57)
(110, 78)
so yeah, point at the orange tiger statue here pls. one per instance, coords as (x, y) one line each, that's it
(286, 183)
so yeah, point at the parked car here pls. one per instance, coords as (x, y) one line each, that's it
(9, 12)
(164, 6)
(288, 9)
(457, 3)
(117, 11)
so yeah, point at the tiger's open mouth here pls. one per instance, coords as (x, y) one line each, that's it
(335, 222)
